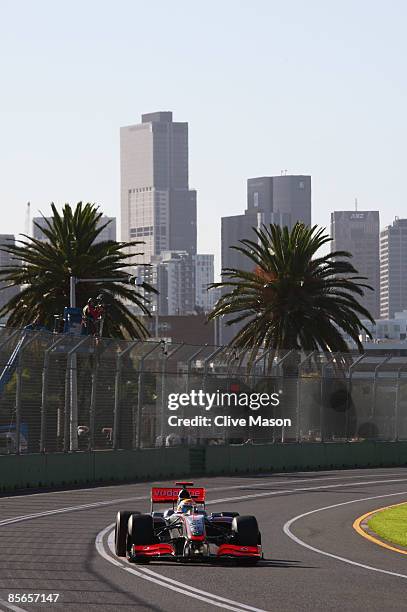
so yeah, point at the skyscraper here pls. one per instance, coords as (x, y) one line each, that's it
(204, 276)
(286, 199)
(6, 260)
(157, 206)
(172, 273)
(393, 268)
(283, 200)
(358, 233)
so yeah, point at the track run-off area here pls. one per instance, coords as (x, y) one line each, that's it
(61, 542)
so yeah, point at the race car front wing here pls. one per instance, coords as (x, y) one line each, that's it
(152, 550)
(168, 550)
(231, 550)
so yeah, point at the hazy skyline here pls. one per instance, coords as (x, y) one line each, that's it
(315, 88)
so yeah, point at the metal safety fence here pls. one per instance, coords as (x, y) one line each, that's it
(75, 393)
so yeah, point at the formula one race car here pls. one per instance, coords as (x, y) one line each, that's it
(186, 531)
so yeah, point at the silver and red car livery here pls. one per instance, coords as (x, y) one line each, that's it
(191, 535)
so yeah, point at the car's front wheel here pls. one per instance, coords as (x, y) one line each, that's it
(140, 532)
(247, 533)
(120, 533)
(246, 530)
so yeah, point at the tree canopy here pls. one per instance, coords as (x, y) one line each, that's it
(42, 270)
(292, 298)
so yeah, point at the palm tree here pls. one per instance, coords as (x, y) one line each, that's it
(43, 269)
(292, 299)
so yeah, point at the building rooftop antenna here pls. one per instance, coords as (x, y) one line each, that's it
(356, 204)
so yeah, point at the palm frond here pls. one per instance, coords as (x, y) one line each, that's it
(43, 269)
(293, 298)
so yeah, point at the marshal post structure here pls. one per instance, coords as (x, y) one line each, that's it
(157, 206)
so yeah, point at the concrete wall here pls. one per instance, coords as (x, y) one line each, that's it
(59, 469)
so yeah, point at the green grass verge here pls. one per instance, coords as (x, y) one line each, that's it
(391, 524)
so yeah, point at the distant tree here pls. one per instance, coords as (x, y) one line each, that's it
(293, 299)
(42, 270)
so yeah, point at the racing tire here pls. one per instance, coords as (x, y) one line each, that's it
(120, 532)
(246, 530)
(140, 530)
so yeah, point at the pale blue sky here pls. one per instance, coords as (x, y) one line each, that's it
(314, 87)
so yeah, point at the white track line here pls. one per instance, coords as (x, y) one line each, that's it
(320, 487)
(90, 506)
(29, 517)
(169, 583)
(253, 480)
(11, 606)
(113, 502)
(296, 539)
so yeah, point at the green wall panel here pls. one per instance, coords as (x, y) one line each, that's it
(64, 469)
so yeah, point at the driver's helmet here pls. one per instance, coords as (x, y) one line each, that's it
(186, 505)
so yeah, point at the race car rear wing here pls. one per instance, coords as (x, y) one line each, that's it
(165, 495)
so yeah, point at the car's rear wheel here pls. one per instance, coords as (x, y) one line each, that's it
(120, 534)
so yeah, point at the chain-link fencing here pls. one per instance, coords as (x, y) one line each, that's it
(77, 393)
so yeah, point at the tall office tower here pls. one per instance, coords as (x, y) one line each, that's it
(108, 233)
(157, 205)
(173, 274)
(393, 268)
(358, 233)
(6, 260)
(204, 276)
(283, 200)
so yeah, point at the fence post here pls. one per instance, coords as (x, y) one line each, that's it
(117, 382)
(137, 414)
(99, 347)
(163, 387)
(189, 364)
(298, 412)
(21, 347)
(205, 372)
(44, 393)
(71, 399)
(397, 406)
(278, 364)
(92, 405)
(351, 368)
(376, 372)
(331, 360)
(208, 360)
(256, 361)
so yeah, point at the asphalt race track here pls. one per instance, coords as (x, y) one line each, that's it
(59, 543)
